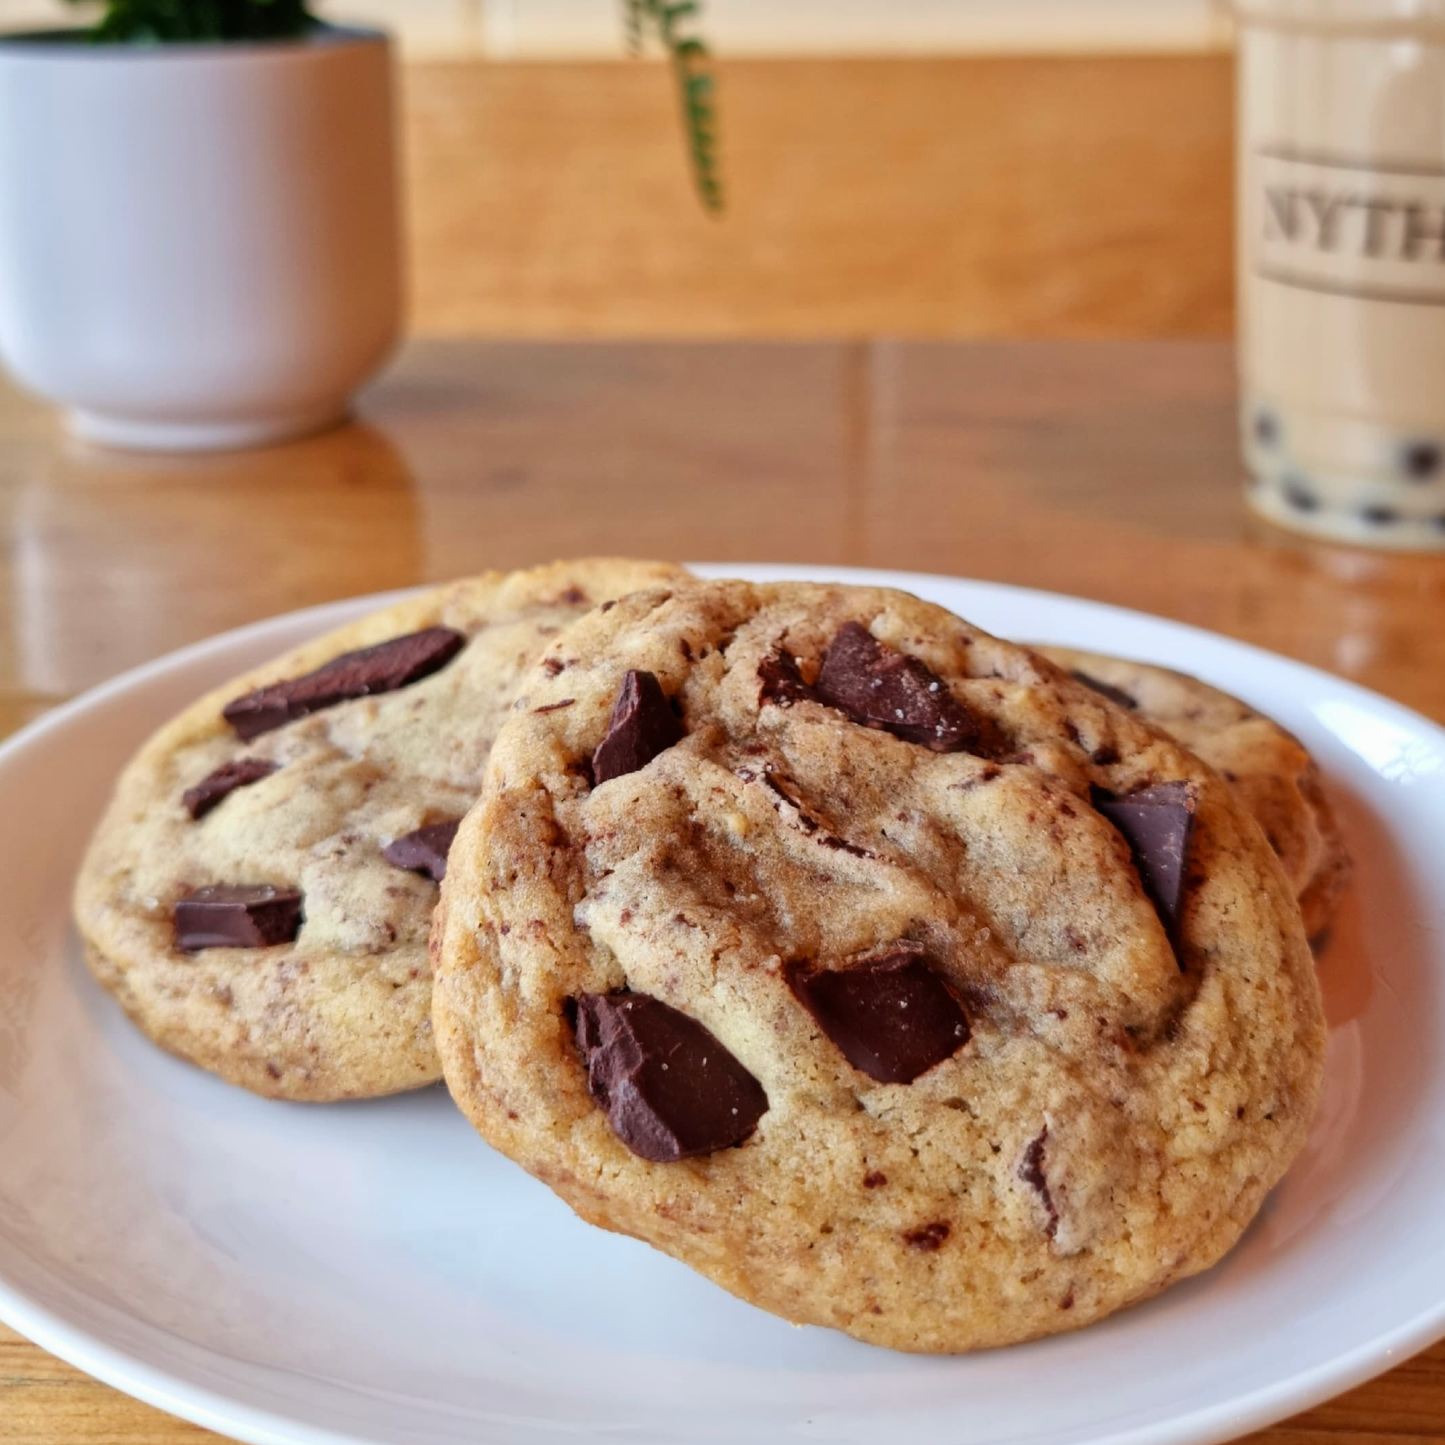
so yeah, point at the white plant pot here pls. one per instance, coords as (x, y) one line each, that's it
(198, 243)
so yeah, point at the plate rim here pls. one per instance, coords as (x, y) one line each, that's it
(213, 1409)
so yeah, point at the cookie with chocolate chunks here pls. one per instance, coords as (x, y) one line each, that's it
(1270, 769)
(336, 774)
(997, 1105)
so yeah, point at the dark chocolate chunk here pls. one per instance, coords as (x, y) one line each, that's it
(880, 687)
(383, 668)
(1031, 1171)
(425, 850)
(642, 725)
(1157, 823)
(240, 773)
(890, 1015)
(669, 1088)
(1379, 516)
(928, 1237)
(232, 915)
(1106, 689)
(1420, 460)
(1266, 428)
(781, 681)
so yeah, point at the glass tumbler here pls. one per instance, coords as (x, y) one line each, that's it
(1341, 265)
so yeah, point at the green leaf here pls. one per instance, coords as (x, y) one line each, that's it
(697, 85)
(632, 18)
(160, 22)
(669, 15)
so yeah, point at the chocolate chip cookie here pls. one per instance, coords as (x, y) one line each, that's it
(259, 893)
(872, 966)
(1270, 768)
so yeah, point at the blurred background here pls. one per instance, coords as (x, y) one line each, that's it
(922, 167)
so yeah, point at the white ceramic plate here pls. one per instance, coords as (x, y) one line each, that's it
(373, 1273)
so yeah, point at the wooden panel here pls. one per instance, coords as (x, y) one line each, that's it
(1064, 196)
(572, 28)
(45, 1402)
(15, 712)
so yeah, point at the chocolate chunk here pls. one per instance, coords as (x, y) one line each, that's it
(383, 668)
(240, 773)
(782, 682)
(1106, 689)
(880, 687)
(891, 1015)
(642, 725)
(1031, 1171)
(929, 1237)
(1157, 823)
(425, 850)
(231, 915)
(670, 1089)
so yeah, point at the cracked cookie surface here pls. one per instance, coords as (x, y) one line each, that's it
(333, 999)
(1271, 770)
(1101, 1094)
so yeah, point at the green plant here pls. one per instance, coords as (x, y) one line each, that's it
(157, 22)
(696, 82)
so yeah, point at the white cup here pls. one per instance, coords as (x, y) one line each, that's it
(1341, 265)
(198, 243)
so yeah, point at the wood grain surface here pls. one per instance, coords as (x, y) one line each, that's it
(1103, 469)
(969, 195)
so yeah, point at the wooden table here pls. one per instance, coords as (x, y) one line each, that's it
(1103, 469)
